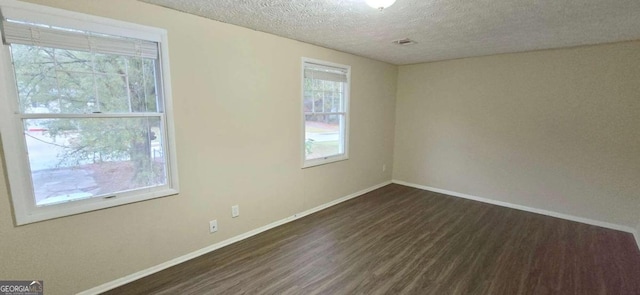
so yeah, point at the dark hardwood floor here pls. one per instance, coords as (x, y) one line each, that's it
(401, 240)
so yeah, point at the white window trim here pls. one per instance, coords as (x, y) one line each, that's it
(336, 158)
(11, 135)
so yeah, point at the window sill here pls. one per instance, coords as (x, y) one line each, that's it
(324, 161)
(91, 204)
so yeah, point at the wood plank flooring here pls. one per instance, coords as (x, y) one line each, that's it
(401, 240)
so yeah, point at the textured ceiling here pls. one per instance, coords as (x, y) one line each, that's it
(443, 29)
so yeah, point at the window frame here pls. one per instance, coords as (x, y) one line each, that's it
(13, 140)
(346, 105)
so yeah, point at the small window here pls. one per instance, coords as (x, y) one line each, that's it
(325, 104)
(88, 122)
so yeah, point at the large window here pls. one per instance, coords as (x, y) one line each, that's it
(325, 102)
(85, 117)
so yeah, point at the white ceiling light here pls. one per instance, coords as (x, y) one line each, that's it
(380, 4)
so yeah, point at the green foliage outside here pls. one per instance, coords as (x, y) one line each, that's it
(76, 82)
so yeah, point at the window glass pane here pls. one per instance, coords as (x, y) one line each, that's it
(337, 102)
(76, 92)
(323, 96)
(308, 101)
(70, 60)
(111, 94)
(331, 104)
(142, 85)
(34, 71)
(318, 101)
(73, 159)
(324, 136)
(65, 81)
(111, 64)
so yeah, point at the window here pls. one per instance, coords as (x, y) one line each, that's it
(87, 123)
(325, 104)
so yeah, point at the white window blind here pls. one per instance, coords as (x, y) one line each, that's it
(322, 72)
(15, 32)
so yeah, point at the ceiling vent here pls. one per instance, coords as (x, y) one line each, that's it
(405, 42)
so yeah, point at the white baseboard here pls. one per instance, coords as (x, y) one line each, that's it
(338, 201)
(525, 208)
(149, 271)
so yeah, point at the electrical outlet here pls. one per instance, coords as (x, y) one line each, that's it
(384, 167)
(213, 226)
(235, 211)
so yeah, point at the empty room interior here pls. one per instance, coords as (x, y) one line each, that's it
(320, 147)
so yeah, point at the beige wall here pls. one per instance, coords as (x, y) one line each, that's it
(557, 130)
(237, 112)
